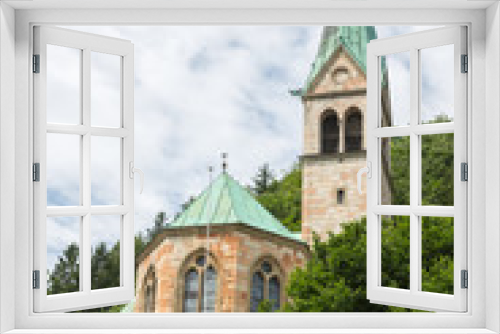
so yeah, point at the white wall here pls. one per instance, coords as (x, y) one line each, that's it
(492, 148)
(7, 91)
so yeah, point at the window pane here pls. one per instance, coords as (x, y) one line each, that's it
(437, 254)
(329, 132)
(209, 291)
(257, 291)
(63, 255)
(274, 293)
(105, 266)
(353, 130)
(191, 292)
(106, 170)
(200, 261)
(395, 89)
(437, 79)
(395, 171)
(63, 85)
(149, 302)
(396, 252)
(266, 267)
(105, 90)
(437, 169)
(63, 169)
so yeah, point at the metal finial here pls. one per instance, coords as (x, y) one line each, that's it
(224, 162)
(210, 173)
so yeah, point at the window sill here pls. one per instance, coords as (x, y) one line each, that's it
(251, 331)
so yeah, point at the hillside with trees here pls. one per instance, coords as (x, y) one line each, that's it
(334, 280)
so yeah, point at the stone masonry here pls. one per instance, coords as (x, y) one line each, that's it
(233, 249)
(341, 85)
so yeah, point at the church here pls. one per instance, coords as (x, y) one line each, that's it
(225, 252)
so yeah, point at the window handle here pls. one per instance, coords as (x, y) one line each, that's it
(368, 171)
(133, 170)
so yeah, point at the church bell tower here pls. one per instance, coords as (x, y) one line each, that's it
(334, 99)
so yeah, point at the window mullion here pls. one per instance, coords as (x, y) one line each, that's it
(85, 258)
(85, 161)
(414, 171)
(200, 290)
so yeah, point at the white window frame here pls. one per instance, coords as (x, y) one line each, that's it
(414, 297)
(484, 102)
(85, 298)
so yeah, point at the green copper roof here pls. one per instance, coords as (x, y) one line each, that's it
(225, 201)
(353, 38)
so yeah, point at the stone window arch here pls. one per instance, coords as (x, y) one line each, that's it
(353, 130)
(266, 283)
(198, 283)
(149, 288)
(330, 132)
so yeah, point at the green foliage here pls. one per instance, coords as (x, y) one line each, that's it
(283, 199)
(399, 170)
(65, 277)
(105, 267)
(334, 280)
(265, 306)
(437, 254)
(264, 180)
(140, 244)
(437, 169)
(396, 252)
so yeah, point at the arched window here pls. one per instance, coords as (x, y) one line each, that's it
(330, 132)
(209, 291)
(200, 284)
(149, 300)
(257, 291)
(354, 130)
(274, 293)
(266, 285)
(191, 291)
(149, 291)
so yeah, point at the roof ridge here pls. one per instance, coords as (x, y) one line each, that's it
(226, 201)
(217, 202)
(261, 211)
(231, 196)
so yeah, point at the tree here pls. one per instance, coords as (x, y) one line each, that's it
(265, 306)
(140, 244)
(283, 199)
(105, 267)
(264, 179)
(334, 280)
(159, 225)
(66, 274)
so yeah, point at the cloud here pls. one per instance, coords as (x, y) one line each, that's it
(199, 91)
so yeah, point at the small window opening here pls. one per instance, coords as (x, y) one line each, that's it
(340, 196)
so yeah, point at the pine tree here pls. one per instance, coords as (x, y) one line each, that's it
(264, 179)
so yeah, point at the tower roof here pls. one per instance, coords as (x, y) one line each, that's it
(354, 39)
(225, 201)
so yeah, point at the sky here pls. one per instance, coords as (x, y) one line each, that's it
(199, 91)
